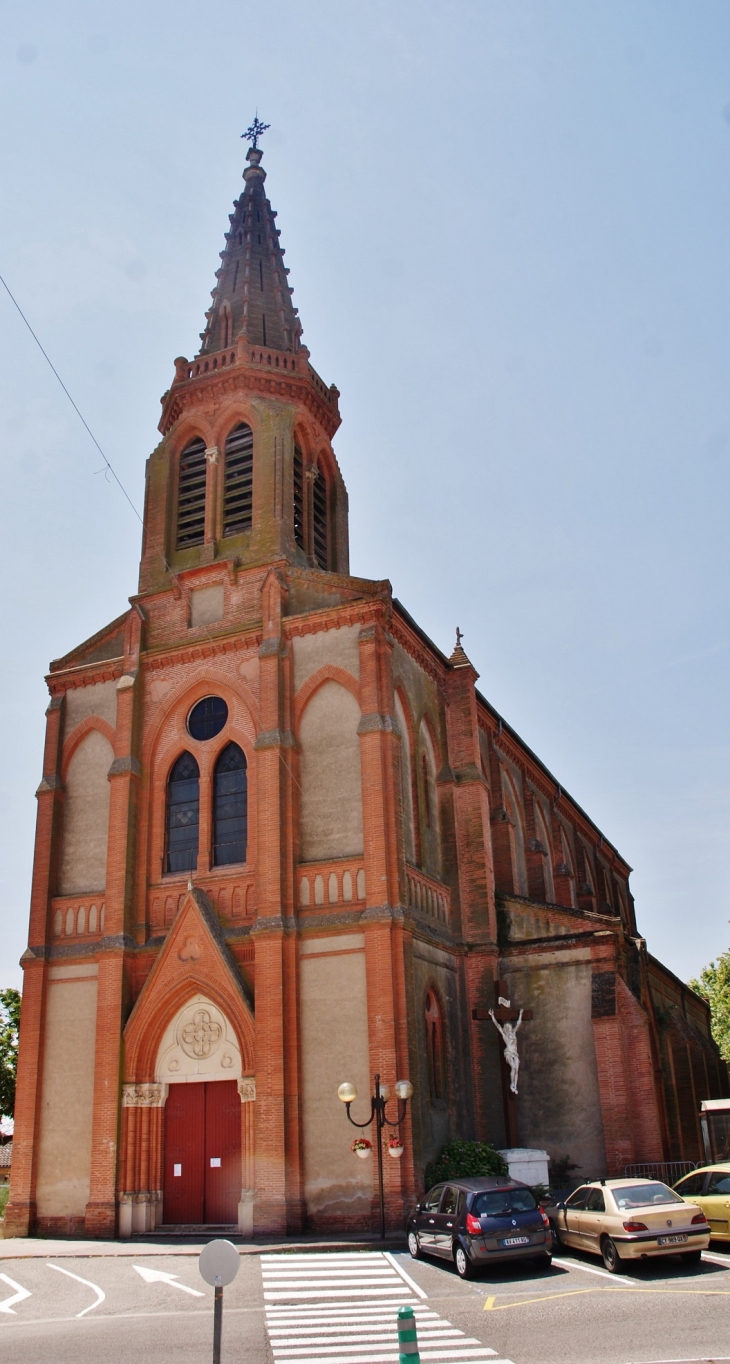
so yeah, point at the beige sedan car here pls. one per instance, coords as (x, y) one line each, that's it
(629, 1219)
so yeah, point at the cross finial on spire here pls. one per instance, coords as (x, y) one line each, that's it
(253, 133)
(458, 658)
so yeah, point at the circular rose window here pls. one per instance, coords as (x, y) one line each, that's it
(207, 718)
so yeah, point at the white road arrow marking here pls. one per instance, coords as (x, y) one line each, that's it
(161, 1276)
(100, 1294)
(7, 1304)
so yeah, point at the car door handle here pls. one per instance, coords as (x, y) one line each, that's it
(431, 1220)
(449, 1224)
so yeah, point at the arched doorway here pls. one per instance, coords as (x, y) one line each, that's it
(189, 1134)
(200, 1062)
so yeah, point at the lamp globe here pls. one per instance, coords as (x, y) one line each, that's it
(404, 1089)
(347, 1092)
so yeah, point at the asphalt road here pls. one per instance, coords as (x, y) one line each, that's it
(332, 1308)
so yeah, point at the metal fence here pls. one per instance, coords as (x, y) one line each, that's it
(667, 1170)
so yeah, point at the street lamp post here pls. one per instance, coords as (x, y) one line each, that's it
(404, 1089)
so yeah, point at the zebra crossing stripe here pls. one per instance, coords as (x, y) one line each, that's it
(336, 1308)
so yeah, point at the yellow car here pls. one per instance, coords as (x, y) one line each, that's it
(709, 1188)
(629, 1219)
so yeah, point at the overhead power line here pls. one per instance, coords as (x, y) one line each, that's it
(79, 414)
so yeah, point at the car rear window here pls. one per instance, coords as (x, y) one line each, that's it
(643, 1195)
(502, 1202)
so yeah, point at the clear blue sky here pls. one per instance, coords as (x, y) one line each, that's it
(507, 227)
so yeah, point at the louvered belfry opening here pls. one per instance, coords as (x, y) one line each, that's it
(183, 814)
(319, 520)
(299, 499)
(238, 484)
(230, 807)
(191, 495)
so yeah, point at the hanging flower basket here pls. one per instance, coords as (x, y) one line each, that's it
(394, 1147)
(361, 1147)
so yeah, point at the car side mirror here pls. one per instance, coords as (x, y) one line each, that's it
(560, 1207)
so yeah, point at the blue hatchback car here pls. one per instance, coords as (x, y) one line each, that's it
(477, 1222)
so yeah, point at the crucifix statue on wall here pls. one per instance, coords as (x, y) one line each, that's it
(507, 1020)
(511, 1054)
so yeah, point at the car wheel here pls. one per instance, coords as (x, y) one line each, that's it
(555, 1240)
(413, 1245)
(610, 1255)
(543, 1261)
(463, 1263)
(692, 1257)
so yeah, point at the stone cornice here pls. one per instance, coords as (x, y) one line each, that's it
(172, 654)
(220, 383)
(333, 617)
(84, 675)
(413, 645)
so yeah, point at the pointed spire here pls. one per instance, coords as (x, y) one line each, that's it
(252, 297)
(458, 658)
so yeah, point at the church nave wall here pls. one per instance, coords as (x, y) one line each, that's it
(64, 1149)
(334, 1047)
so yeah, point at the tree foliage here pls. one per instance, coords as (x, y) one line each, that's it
(714, 986)
(9, 1026)
(460, 1159)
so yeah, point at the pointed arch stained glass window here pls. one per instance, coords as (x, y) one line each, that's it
(434, 1045)
(183, 814)
(230, 807)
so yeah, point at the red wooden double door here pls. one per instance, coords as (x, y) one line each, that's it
(202, 1156)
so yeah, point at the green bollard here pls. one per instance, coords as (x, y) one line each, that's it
(407, 1337)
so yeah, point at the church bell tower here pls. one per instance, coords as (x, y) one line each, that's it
(245, 472)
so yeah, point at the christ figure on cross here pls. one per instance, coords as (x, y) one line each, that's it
(511, 1054)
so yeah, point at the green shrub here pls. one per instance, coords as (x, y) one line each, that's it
(4, 1192)
(460, 1159)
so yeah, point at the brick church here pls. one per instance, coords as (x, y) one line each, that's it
(283, 841)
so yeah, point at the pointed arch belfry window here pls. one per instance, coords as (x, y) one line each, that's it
(230, 807)
(238, 481)
(191, 495)
(183, 814)
(320, 520)
(299, 531)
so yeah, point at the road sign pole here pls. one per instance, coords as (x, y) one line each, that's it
(217, 1320)
(219, 1264)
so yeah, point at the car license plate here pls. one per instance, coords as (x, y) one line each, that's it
(670, 1240)
(516, 1241)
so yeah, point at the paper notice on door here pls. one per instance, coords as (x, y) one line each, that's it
(177, 1171)
(215, 1162)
